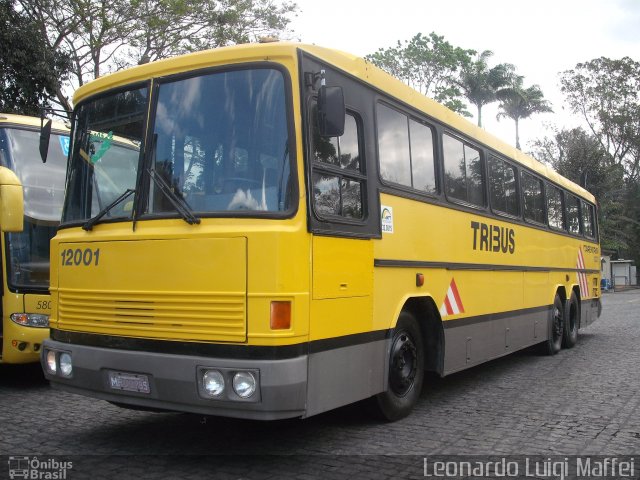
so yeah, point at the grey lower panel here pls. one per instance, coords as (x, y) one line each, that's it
(345, 375)
(174, 384)
(470, 344)
(590, 311)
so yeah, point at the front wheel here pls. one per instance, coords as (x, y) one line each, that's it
(406, 371)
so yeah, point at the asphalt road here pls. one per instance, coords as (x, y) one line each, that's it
(583, 401)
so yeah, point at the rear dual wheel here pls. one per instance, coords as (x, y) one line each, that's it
(554, 343)
(572, 322)
(564, 324)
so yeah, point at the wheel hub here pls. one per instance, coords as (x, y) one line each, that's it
(404, 364)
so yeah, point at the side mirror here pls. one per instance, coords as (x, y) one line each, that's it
(45, 135)
(331, 111)
(11, 202)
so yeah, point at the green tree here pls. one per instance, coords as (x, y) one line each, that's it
(518, 102)
(170, 27)
(604, 92)
(481, 84)
(429, 64)
(101, 36)
(29, 72)
(580, 157)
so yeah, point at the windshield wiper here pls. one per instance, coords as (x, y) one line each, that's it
(179, 203)
(92, 221)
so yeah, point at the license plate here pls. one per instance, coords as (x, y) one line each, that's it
(130, 382)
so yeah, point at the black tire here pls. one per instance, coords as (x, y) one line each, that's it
(406, 371)
(572, 322)
(554, 343)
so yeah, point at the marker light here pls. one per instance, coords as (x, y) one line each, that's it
(213, 383)
(280, 315)
(66, 368)
(51, 361)
(244, 384)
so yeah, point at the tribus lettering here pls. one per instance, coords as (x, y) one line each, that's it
(492, 238)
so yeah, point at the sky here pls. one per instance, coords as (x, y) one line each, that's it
(541, 38)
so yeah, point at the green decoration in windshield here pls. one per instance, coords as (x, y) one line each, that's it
(105, 140)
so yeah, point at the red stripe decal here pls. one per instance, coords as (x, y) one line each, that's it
(456, 295)
(447, 305)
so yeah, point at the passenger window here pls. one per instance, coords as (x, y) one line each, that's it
(406, 151)
(463, 176)
(502, 187)
(588, 220)
(533, 197)
(422, 159)
(338, 180)
(555, 212)
(573, 214)
(393, 146)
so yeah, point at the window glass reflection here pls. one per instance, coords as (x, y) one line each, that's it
(337, 172)
(463, 171)
(533, 198)
(393, 146)
(221, 142)
(555, 213)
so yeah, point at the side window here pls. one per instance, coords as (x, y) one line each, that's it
(406, 151)
(393, 146)
(573, 214)
(463, 176)
(422, 158)
(502, 187)
(338, 180)
(588, 220)
(555, 212)
(533, 198)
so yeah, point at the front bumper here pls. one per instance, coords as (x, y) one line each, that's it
(174, 384)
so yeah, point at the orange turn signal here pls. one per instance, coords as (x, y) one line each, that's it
(280, 315)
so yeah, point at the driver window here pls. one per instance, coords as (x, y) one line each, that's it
(338, 180)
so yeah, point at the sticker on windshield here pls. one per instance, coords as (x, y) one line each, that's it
(105, 140)
(64, 145)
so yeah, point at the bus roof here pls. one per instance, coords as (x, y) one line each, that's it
(27, 121)
(351, 64)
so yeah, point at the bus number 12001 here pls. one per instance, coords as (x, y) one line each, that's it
(77, 257)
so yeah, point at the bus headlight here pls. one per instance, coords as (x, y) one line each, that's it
(30, 319)
(66, 367)
(51, 362)
(213, 383)
(244, 384)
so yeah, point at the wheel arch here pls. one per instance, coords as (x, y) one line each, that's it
(561, 291)
(426, 314)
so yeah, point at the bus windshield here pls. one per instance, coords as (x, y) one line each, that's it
(43, 185)
(218, 145)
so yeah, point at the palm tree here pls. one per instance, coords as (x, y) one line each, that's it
(481, 84)
(517, 102)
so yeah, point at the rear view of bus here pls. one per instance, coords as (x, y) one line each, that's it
(26, 302)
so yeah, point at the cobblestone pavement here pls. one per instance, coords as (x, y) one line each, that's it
(583, 401)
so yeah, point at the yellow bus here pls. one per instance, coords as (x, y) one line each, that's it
(26, 303)
(295, 231)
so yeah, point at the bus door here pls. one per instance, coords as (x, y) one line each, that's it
(342, 210)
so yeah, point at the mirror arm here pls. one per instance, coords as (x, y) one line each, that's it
(310, 79)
